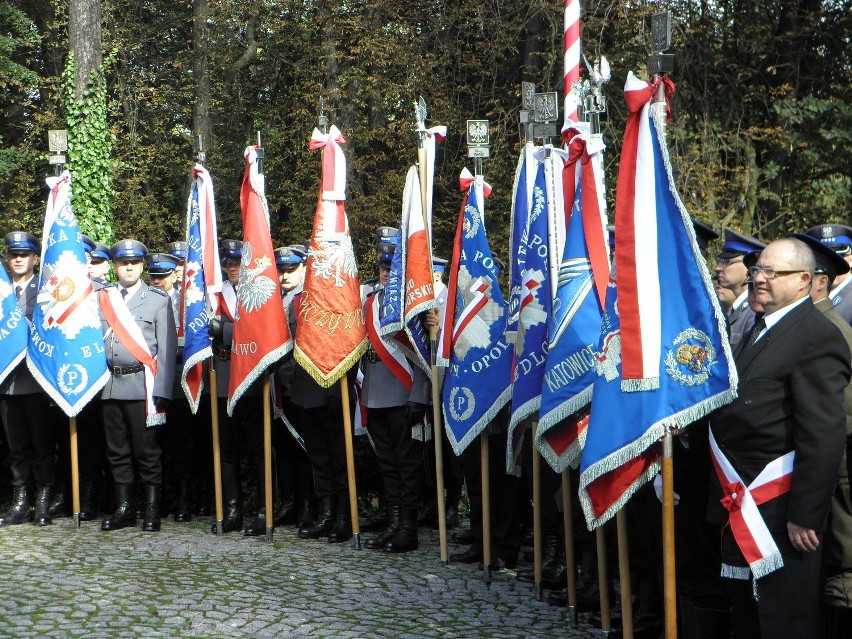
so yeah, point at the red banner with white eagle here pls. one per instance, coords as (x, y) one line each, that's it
(330, 327)
(261, 336)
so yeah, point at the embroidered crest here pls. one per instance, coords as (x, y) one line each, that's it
(690, 358)
(461, 408)
(253, 288)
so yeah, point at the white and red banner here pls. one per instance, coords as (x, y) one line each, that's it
(261, 336)
(331, 333)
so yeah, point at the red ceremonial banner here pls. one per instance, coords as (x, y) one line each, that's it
(261, 336)
(330, 329)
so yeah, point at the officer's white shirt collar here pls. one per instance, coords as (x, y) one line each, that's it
(772, 319)
(25, 283)
(741, 301)
(131, 291)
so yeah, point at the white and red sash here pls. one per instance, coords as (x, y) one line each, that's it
(229, 302)
(390, 355)
(125, 328)
(747, 525)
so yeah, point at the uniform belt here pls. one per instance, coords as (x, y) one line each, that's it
(118, 371)
(222, 353)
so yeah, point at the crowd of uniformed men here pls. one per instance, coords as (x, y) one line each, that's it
(788, 307)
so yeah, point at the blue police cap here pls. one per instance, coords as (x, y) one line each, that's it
(837, 236)
(387, 239)
(439, 264)
(21, 243)
(827, 259)
(703, 234)
(611, 233)
(100, 253)
(128, 250)
(162, 264)
(739, 244)
(179, 249)
(231, 251)
(288, 258)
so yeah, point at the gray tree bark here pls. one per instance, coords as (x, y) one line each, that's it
(84, 41)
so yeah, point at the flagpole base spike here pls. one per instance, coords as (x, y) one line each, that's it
(270, 530)
(571, 611)
(219, 530)
(486, 574)
(539, 592)
(446, 562)
(356, 541)
(77, 520)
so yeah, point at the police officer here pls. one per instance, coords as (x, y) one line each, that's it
(176, 439)
(28, 421)
(137, 394)
(294, 475)
(180, 250)
(244, 429)
(730, 276)
(392, 409)
(838, 238)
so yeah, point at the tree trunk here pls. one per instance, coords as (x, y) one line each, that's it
(84, 41)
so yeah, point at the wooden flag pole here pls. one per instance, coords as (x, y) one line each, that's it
(217, 458)
(75, 472)
(485, 474)
(350, 462)
(603, 580)
(437, 425)
(570, 560)
(536, 471)
(267, 456)
(624, 576)
(669, 579)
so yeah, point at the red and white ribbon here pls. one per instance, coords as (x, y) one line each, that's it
(741, 501)
(333, 188)
(391, 356)
(125, 328)
(228, 301)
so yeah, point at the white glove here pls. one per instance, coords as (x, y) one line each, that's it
(658, 489)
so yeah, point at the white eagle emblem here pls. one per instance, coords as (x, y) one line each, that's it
(254, 289)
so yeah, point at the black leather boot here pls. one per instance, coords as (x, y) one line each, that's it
(183, 508)
(550, 563)
(306, 513)
(151, 516)
(378, 520)
(378, 542)
(232, 517)
(42, 506)
(88, 501)
(60, 504)
(286, 513)
(405, 539)
(19, 511)
(124, 515)
(342, 529)
(322, 525)
(257, 526)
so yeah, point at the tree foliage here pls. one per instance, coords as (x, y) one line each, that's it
(761, 114)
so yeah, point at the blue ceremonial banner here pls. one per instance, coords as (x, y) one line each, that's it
(693, 370)
(202, 280)
(473, 339)
(65, 353)
(520, 219)
(13, 328)
(535, 308)
(572, 350)
(390, 317)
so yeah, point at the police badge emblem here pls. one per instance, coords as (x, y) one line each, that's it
(690, 358)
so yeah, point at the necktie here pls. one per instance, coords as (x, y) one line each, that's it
(18, 291)
(124, 294)
(759, 325)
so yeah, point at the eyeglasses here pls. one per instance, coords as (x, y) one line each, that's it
(725, 261)
(769, 273)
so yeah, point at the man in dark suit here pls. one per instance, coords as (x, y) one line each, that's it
(30, 424)
(139, 328)
(783, 434)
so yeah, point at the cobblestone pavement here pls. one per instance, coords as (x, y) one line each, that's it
(184, 582)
